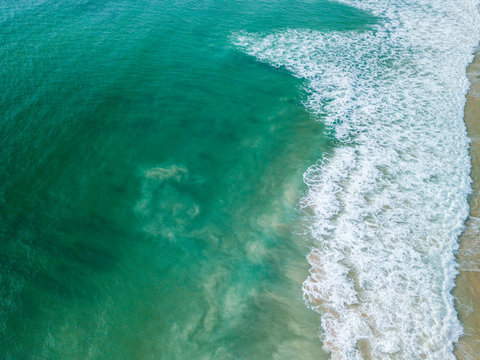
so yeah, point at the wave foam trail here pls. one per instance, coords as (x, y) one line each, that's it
(388, 204)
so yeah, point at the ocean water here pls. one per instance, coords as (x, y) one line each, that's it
(187, 180)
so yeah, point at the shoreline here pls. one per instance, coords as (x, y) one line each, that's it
(467, 289)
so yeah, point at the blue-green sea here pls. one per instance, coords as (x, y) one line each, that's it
(189, 179)
(150, 173)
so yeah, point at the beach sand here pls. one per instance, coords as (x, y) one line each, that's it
(467, 290)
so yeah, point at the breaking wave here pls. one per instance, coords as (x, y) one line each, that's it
(386, 207)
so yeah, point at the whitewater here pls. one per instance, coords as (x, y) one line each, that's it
(386, 207)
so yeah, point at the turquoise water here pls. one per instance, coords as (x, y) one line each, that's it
(150, 179)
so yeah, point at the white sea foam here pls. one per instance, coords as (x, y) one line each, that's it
(389, 203)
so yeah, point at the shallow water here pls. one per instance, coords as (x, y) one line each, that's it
(467, 290)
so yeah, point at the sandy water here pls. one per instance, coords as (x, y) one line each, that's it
(467, 289)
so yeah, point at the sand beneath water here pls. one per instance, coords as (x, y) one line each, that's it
(467, 289)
